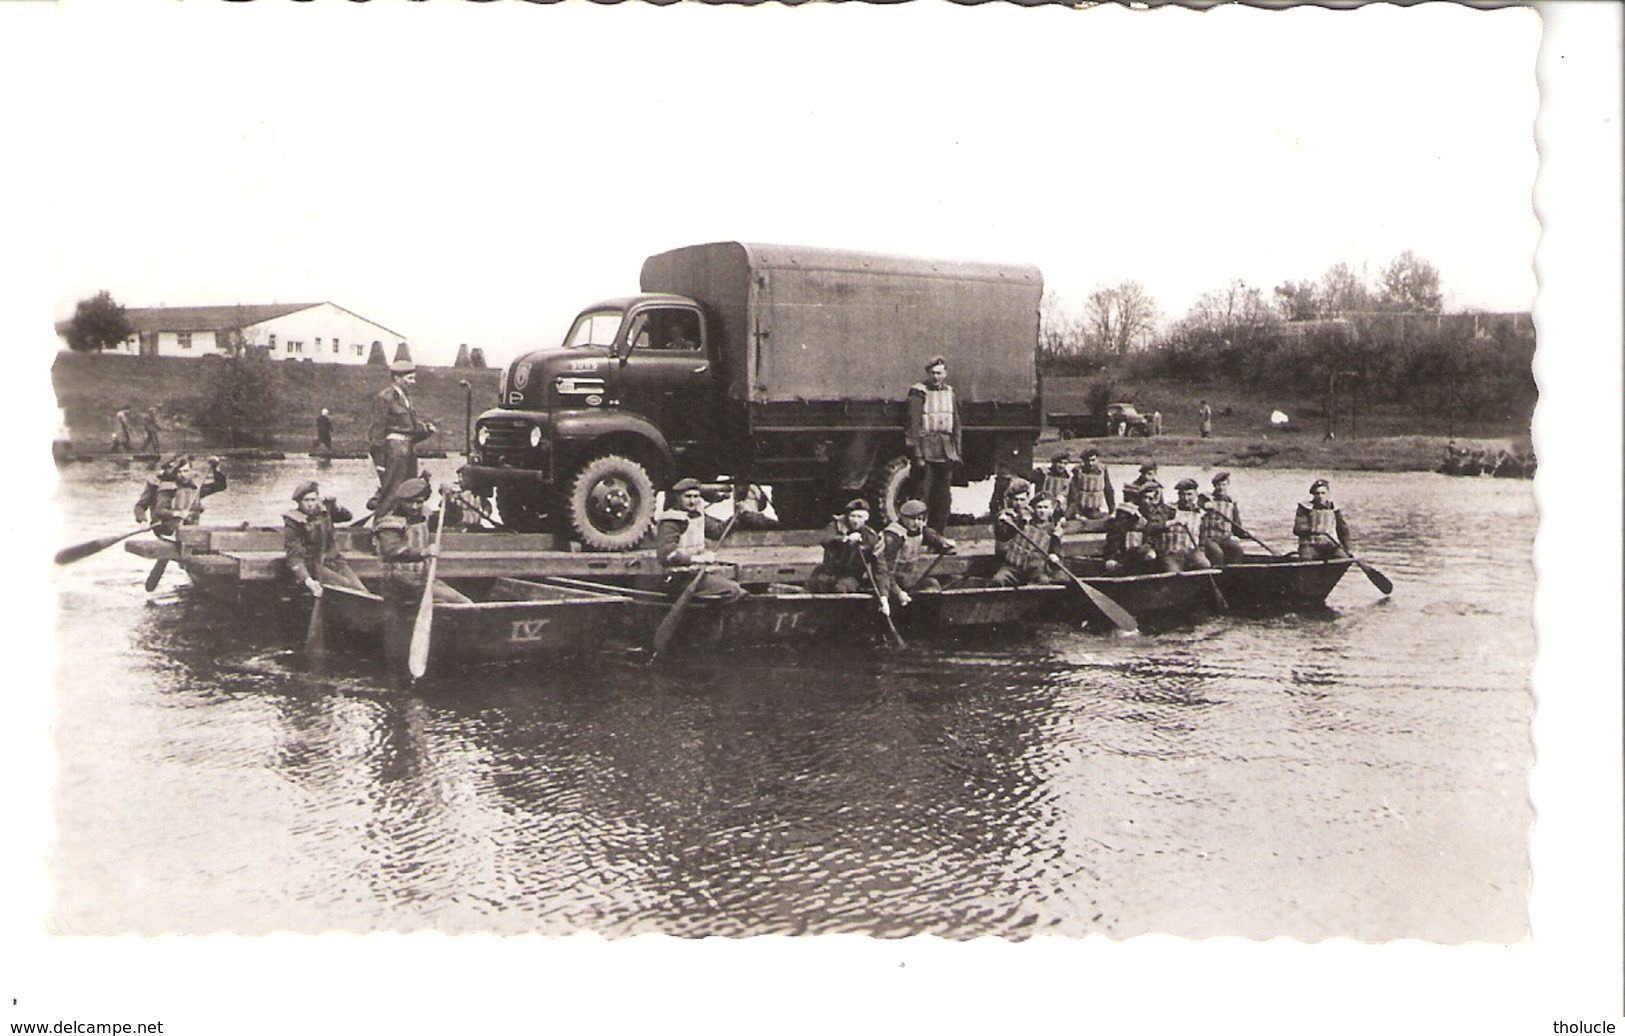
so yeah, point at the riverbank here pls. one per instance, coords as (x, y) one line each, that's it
(1301, 450)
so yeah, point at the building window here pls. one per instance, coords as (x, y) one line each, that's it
(273, 343)
(295, 347)
(183, 339)
(359, 351)
(318, 345)
(335, 347)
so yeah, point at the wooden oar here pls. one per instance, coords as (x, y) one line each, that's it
(1378, 580)
(668, 625)
(315, 634)
(880, 599)
(417, 656)
(1113, 612)
(80, 551)
(156, 574)
(924, 575)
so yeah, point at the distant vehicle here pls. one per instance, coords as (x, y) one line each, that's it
(1117, 419)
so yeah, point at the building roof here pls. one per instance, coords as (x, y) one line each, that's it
(208, 318)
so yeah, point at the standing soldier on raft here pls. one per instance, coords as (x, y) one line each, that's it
(933, 441)
(393, 436)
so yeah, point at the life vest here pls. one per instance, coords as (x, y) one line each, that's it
(1176, 535)
(692, 540)
(184, 501)
(414, 539)
(1088, 492)
(1056, 486)
(316, 531)
(1020, 550)
(1215, 527)
(1322, 525)
(911, 548)
(937, 416)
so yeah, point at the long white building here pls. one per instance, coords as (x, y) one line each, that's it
(319, 332)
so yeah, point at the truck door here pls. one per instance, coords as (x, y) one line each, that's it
(665, 372)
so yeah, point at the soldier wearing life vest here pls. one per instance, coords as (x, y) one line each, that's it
(1148, 474)
(1090, 494)
(1322, 533)
(1025, 539)
(1125, 551)
(849, 551)
(933, 441)
(173, 495)
(1055, 480)
(311, 545)
(680, 545)
(1221, 525)
(1179, 541)
(903, 545)
(404, 543)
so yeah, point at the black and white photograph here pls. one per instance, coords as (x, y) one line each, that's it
(588, 516)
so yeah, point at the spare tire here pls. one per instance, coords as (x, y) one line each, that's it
(612, 503)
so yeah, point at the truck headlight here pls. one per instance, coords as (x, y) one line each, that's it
(535, 436)
(483, 436)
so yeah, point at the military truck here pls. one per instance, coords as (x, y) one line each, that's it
(773, 364)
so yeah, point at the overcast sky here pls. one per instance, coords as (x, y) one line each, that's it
(477, 174)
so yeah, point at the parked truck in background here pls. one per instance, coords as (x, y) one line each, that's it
(772, 364)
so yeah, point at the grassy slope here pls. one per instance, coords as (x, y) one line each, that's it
(90, 387)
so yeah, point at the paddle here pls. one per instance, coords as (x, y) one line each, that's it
(315, 638)
(924, 575)
(156, 574)
(80, 551)
(417, 656)
(1378, 580)
(1108, 608)
(1245, 534)
(668, 625)
(880, 599)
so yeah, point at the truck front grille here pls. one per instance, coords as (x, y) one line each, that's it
(507, 434)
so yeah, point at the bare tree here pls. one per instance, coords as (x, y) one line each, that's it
(1116, 317)
(1235, 312)
(1411, 284)
(1342, 290)
(1059, 333)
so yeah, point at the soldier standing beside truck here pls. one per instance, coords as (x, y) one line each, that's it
(393, 436)
(933, 438)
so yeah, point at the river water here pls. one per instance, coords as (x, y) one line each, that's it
(1359, 771)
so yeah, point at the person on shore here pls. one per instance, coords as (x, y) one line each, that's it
(393, 435)
(849, 553)
(150, 428)
(680, 545)
(311, 544)
(1027, 542)
(1156, 422)
(1322, 533)
(173, 495)
(324, 430)
(903, 545)
(1089, 494)
(1178, 542)
(1125, 552)
(121, 429)
(1148, 475)
(1221, 524)
(933, 441)
(1204, 417)
(403, 541)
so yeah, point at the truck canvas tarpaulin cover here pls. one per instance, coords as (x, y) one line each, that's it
(820, 325)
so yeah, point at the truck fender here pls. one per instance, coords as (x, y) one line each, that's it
(578, 428)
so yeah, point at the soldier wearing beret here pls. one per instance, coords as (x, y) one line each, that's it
(849, 546)
(680, 534)
(1181, 536)
(1027, 540)
(173, 495)
(1148, 473)
(393, 435)
(903, 544)
(310, 543)
(1089, 494)
(1125, 551)
(1322, 533)
(1222, 524)
(402, 540)
(1056, 479)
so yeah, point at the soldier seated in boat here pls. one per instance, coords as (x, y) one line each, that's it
(1026, 540)
(1089, 493)
(1125, 552)
(849, 550)
(1322, 533)
(1221, 524)
(1174, 532)
(1148, 474)
(1055, 480)
(903, 544)
(173, 496)
(402, 539)
(680, 546)
(310, 543)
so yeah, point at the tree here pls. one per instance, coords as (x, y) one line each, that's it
(1410, 284)
(1298, 300)
(97, 323)
(1343, 291)
(239, 403)
(1235, 312)
(1058, 331)
(1116, 316)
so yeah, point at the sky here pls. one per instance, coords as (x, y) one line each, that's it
(477, 175)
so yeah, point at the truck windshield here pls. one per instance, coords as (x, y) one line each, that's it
(595, 327)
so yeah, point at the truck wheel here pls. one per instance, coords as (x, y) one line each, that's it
(612, 503)
(887, 490)
(522, 508)
(1066, 433)
(1139, 431)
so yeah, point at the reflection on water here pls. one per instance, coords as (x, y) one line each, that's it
(1358, 771)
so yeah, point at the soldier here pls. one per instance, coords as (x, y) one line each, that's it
(150, 427)
(1027, 541)
(1056, 480)
(903, 544)
(1148, 473)
(1090, 494)
(121, 429)
(393, 435)
(173, 496)
(1181, 535)
(402, 539)
(933, 441)
(849, 550)
(680, 546)
(324, 430)
(1322, 533)
(1222, 524)
(1125, 552)
(1204, 418)
(310, 543)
